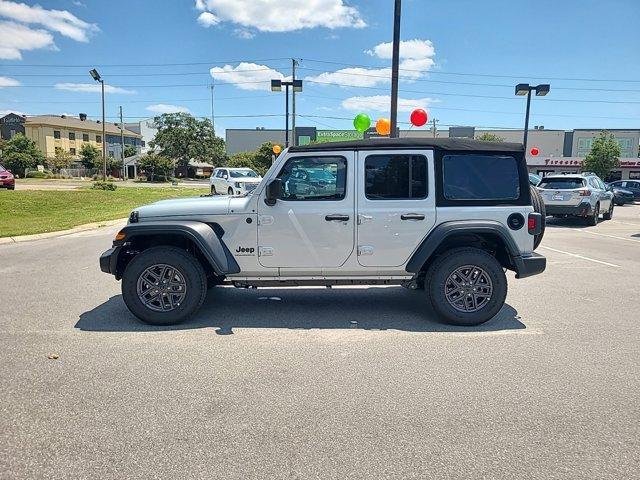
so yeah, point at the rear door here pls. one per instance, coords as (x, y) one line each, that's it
(396, 205)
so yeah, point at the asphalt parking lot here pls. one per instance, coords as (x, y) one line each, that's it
(318, 383)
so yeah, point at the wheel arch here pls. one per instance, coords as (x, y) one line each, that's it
(487, 235)
(201, 239)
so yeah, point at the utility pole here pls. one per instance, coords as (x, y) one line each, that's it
(434, 129)
(286, 116)
(122, 140)
(394, 68)
(294, 63)
(104, 139)
(212, 111)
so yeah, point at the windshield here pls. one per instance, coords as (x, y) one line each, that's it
(561, 183)
(243, 174)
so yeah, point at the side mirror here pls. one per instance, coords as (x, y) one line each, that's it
(273, 191)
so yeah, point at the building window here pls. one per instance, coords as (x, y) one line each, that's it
(634, 175)
(72, 151)
(56, 134)
(98, 138)
(544, 173)
(85, 137)
(72, 136)
(12, 133)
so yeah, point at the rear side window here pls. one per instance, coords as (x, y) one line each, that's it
(561, 183)
(395, 177)
(480, 177)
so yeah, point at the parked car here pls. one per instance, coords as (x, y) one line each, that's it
(620, 195)
(577, 195)
(630, 185)
(534, 179)
(233, 181)
(390, 219)
(7, 180)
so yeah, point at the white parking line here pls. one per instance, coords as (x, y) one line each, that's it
(626, 223)
(605, 235)
(581, 257)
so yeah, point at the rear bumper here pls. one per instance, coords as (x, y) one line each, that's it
(581, 210)
(530, 265)
(109, 260)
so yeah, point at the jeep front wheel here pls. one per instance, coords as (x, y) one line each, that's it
(164, 285)
(466, 286)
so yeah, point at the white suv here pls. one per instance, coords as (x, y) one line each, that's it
(233, 181)
(445, 216)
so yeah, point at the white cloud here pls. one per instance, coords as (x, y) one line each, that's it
(354, 76)
(165, 108)
(284, 15)
(244, 33)
(382, 103)
(77, 3)
(247, 76)
(90, 87)
(7, 112)
(17, 38)
(207, 19)
(414, 49)
(8, 82)
(60, 21)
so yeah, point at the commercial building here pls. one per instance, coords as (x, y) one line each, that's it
(146, 129)
(558, 150)
(11, 124)
(70, 133)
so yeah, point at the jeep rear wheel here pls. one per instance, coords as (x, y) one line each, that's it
(164, 285)
(466, 286)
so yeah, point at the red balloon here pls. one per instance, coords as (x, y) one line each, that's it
(419, 117)
(535, 151)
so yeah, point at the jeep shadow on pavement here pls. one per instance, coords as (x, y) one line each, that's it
(444, 217)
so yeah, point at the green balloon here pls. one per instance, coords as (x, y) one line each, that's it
(362, 122)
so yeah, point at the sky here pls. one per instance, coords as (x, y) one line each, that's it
(460, 60)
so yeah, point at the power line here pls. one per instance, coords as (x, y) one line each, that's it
(77, 75)
(106, 65)
(142, 101)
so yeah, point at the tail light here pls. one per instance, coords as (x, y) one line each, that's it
(534, 223)
(584, 193)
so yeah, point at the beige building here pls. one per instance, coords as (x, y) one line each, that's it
(70, 133)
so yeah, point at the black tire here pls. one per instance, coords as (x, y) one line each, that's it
(213, 190)
(445, 265)
(186, 265)
(12, 187)
(608, 215)
(538, 207)
(230, 191)
(592, 220)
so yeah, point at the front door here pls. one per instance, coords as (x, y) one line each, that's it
(396, 205)
(313, 224)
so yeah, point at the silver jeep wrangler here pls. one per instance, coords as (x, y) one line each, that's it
(446, 216)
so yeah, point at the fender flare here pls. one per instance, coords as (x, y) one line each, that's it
(202, 235)
(448, 229)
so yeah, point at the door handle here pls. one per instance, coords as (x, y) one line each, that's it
(411, 216)
(336, 217)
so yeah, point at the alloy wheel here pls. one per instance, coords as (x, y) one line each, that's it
(468, 288)
(161, 288)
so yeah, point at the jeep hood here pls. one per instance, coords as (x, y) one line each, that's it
(185, 206)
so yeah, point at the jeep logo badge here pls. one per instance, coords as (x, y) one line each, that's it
(245, 251)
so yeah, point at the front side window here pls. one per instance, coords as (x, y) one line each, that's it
(480, 177)
(395, 177)
(314, 178)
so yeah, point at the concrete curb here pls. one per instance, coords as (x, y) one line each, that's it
(61, 233)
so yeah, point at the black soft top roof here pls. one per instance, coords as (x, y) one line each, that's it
(453, 144)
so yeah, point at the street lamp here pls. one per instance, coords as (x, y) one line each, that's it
(526, 89)
(276, 86)
(96, 76)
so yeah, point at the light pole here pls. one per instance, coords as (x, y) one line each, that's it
(395, 60)
(276, 86)
(96, 76)
(526, 89)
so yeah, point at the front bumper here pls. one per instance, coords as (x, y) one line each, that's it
(581, 210)
(530, 265)
(109, 260)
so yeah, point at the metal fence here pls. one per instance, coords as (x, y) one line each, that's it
(72, 172)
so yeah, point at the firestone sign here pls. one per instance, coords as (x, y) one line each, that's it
(561, 162)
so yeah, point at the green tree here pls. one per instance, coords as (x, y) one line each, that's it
(129, 151)
(182, 137)
(242, 160)
(90, 156)
(264, 158)
(604, 155)
(19, 153)
(156, 166)
(490, 137)
(62, 159)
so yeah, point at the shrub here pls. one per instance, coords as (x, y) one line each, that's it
(37, 174)
(100, 185)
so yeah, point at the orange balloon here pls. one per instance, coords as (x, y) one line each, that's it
(277, 149)
(383, 127)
